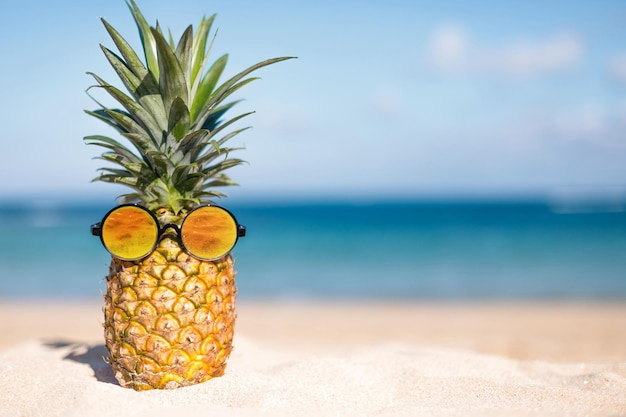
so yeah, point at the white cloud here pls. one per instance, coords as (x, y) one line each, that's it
(590, 122)
(449, 47)
(590, 128)
(452, 50)
(594, 126)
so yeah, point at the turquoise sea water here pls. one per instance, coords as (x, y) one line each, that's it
(421, 250)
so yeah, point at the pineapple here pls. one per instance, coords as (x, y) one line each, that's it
(169, 316)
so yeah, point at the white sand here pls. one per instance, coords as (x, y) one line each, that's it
(55, 375)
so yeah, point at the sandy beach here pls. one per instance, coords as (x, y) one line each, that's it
(338, 359)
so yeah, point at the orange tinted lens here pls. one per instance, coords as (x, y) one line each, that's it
(209, 232)
(129, 232)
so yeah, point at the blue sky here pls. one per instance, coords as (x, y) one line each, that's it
(387, 99)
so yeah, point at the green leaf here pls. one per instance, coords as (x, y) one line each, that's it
(122, 173)
(199, 48)
(136, 169)
(129, 181)
(192, 182)
(163, 167)
(212, 193)
(139, 140)
(172, 79)
(210, 156)
(221, 182)
(137, 112)
(229, 87)
(181, 171)
(129, 198)
(210, 107)
(217, 130)
(170, 38)
(229, 122)
(106, 118)
(184, 172)
(147, 39)
(207, 156)
(215, 169)
(130, 125)
(216, 114)
(113, 145)
(184, 52)
(206, 87)
(144, 91)
(178, 119)
(129, 54)
(191, 140)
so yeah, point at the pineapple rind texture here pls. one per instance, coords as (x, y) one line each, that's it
(169, 318)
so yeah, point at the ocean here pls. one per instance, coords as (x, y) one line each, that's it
(475, 250)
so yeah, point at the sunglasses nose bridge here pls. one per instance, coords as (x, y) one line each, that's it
(164, 231)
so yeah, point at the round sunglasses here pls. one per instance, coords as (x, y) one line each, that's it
(131, 232)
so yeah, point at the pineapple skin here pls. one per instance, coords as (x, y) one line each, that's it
(169, 318)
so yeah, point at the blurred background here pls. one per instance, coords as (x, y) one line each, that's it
(435, 150)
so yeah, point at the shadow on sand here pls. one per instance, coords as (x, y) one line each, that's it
(92, 355)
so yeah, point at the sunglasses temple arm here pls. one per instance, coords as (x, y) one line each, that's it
(241, 231)
(96, 229)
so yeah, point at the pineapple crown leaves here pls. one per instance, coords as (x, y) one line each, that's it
(171, 114)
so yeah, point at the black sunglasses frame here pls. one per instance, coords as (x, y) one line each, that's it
(96, 230)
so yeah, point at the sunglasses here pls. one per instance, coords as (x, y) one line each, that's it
(131, 232)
